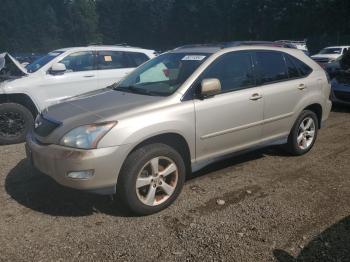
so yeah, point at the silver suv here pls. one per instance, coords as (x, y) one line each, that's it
(175, 114)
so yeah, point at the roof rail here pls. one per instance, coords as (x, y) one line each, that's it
(122, 44)
(240, 43)
(200, 45)
(94, 44)
(263, 43)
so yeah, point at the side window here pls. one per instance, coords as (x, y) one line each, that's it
(234, 70)
(137, 59)
(111, 60)
(292, 69)
(303, 68)
(80, 61)
(271, 66)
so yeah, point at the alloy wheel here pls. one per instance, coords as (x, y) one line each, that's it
(12, 124)
(157, 181)
(306, 133)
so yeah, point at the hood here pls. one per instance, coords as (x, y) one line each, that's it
(97, 105)
(10, 68)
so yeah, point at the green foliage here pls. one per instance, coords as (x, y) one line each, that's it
(42, 25)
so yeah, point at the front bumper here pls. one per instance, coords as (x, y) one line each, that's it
(57, 161)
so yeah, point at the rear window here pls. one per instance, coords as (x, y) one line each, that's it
(304, 69)
(271, 67)
(112, 60)
(293, 71)
(137, 59)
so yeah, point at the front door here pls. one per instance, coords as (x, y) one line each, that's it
(80, 77)
(232, 120)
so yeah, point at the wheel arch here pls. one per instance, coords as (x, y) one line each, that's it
(21, 99)
(172, 139)
(317, 109)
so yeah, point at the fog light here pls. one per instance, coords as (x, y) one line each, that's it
(81, 174)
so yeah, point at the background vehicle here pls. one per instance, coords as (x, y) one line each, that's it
(59, 75)
(177, 113)
(301, 45)
(341, 89)
(330, 54)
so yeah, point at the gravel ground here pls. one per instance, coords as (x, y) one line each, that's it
(275, 208)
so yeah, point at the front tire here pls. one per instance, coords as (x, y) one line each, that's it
(15, 122)
(303, 134)
(151, 179)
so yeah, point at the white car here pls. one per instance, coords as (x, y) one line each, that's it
(330, 54)
(301, 45)
(61, 74)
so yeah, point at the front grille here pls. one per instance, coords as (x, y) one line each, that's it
(44, 127)
(344, 96)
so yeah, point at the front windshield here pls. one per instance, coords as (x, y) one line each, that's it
(163, 75)
(39, 63)
(331, 51)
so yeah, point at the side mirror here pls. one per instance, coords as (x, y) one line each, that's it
(58, 69)
(210, 87)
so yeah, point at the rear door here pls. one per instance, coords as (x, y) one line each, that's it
(282, 88)
(80, 77)
(231, 120)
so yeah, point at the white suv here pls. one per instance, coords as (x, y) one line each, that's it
(59, 75)
(330, 54)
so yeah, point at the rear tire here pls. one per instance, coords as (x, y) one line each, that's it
(15, 122)
(151, 179)
(303, 134)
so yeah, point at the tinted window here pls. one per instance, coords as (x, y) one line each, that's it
(111, 60)
(137, 58)
(234, 70)
(303, 68)
(80, 61)
(292, 69)
(272, 67)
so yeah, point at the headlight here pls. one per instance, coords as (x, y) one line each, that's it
(86, 137)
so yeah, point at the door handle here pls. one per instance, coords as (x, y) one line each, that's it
(256, 97)
(302, 87)
(89, 76)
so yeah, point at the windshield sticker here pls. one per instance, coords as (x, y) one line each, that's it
(193, 58)
(108, 58)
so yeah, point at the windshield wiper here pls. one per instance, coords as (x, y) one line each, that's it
(136, 90)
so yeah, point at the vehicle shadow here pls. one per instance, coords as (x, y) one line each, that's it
(39, 192)
(341, 108)
(331, 245)
(36, 191)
